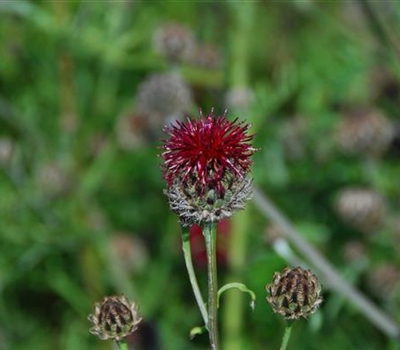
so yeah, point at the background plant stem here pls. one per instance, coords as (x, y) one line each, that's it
(192, 276)
(210, 235)
(234, 304)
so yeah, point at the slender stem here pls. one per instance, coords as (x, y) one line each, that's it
(192, 276)
(123, 345)
(210, 235)
(286, 335)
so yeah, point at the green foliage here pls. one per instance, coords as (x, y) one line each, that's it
(70, 187)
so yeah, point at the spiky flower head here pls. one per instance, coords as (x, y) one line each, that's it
(294, 293)
(206, 163)
(114, 318)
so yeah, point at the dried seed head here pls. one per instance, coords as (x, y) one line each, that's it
(174, 41)
(114, 318)
(365, 132)
(294, 293)
(362, 208)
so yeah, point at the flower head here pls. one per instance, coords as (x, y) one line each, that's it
(206, 162)
(207, 148)
(294, 293)
(114, 318)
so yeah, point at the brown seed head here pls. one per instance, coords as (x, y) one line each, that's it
(114, 318)
(294, 293)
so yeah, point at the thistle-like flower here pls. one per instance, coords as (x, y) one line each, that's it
(114, 318)
(206, 163)
(294, 293)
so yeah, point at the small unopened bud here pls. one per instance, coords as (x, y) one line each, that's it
(114, 318)
(294, 293)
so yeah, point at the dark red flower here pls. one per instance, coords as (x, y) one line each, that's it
(206, 150)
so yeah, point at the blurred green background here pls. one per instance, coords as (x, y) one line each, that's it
(85, 89)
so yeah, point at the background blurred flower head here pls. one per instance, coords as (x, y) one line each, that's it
(364, 131)
(174, 41)
(7, 149)
(130, 250)
(53, 180)
(162, 98)
(383, 280)
(361, 208)
(206, 56)
(131, 131)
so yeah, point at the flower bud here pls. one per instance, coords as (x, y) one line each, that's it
(114, 318)
(294, 293)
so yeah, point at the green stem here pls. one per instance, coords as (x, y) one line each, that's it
(123, 345)
(286, 335)
(192, 276)
(210, 235)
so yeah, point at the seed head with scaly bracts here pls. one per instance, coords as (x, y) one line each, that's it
(206, 163)
(114, 318)
(294, 293)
